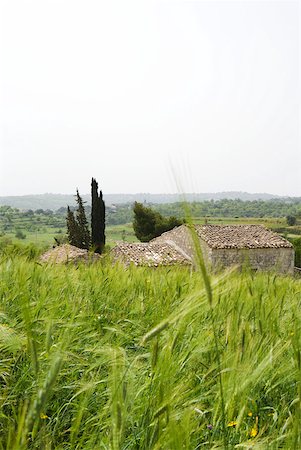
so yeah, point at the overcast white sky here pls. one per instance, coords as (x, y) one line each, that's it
(140, 93)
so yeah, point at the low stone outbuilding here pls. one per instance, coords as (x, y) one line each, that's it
(67, 253)
(228, 245)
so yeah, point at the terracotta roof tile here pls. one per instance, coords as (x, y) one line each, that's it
(148, 254)
(240, 236)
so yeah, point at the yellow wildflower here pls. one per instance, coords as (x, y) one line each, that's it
(250, 414)
(43, 416)
(232, 423)
(254, 430)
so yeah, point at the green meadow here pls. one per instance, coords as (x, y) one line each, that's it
(45, 237)
(102, 357)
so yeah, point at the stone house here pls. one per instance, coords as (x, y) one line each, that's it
(228, 245)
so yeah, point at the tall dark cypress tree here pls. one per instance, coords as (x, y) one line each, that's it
(84, 233)
(97, 218)
(102, 219)
(72, 229)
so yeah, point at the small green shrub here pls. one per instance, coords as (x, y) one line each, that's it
(20, 235)
(149, 224)
(297, 247)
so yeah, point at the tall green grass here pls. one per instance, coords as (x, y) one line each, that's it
(105, 357)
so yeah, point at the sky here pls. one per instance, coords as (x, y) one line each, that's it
(150, 96)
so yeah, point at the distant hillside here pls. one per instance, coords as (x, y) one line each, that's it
(41, 201)
(56, 201)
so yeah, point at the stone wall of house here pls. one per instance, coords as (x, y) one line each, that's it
(181, 239)
(278, 259)
(178, 237)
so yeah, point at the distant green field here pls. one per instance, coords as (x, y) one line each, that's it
(46, 237)
(269, 222)
(120, 233)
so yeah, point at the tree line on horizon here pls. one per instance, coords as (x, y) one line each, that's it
(123, 213)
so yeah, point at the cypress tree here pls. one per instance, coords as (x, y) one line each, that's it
(102, 219)
(72, 228)
(83, 228)
(97, 218)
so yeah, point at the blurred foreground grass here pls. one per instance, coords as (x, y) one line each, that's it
(105, 357)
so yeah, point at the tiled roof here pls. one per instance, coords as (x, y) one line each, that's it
(148, 254)
(240, 236)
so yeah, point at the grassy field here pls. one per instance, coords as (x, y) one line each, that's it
(105, 357)
(45, 238)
